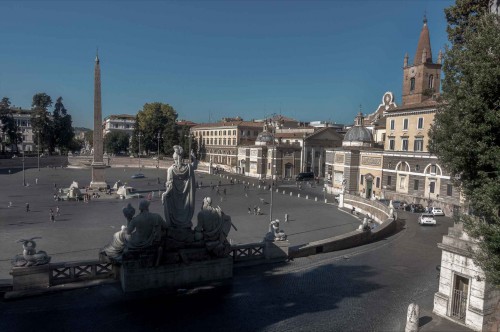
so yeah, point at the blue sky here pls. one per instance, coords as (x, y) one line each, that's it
(310, 60)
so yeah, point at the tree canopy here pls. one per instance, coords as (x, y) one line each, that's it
(9, 125)
(466, 132)
(54, 130)
(155, 119)
(116, 142)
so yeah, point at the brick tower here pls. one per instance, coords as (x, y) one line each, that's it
(422, 79)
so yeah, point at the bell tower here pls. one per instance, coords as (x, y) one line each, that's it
(421, 80)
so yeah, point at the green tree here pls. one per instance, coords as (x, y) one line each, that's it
(462, 16)
(116, 142)
(9, 125)
(63, 131)
(41, 122)
(89, 137)
(155, 118)
(466, 132)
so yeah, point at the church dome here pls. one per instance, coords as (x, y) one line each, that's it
(358, 134)
(264, 138)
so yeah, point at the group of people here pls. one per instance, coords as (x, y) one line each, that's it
(256, 210)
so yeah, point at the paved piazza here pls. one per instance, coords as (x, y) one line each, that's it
(83, 228)
(361, 289)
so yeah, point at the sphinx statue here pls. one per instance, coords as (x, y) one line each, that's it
(30, 256)
(274, 233)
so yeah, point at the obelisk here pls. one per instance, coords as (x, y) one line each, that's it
(98, 166)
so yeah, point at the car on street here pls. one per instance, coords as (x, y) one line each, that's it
(426, 219)
(437, 211)
(415, 208)
(138, 176)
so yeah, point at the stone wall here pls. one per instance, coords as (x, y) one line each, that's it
(32, 162)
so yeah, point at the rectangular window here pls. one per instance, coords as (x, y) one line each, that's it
(378, 183)
(361, 179)
(391, 144)
(234, 141)
(234, 132)
(420, 123)
(449, 189)
(418, 145)
(392, 124)
(432, 187)
(404, 144)
(402, 181)
(389, 180)
(433, 169)
(405, 124)
(415, 185)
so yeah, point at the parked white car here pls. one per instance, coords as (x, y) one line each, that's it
(426, 219)
(437, 211)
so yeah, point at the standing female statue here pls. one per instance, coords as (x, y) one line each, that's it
(178, 200)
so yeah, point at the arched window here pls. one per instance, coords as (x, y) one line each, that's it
(431, 81)
(412, 84)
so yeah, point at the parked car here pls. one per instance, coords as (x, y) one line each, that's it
(437, 211)
(397, 204)
(305, 176)
(415, 208)
(138, 176)
(427, 219)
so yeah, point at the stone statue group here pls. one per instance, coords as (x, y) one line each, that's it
(171, 238)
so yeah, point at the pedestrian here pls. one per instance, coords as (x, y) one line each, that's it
(52, 217)
(286, 217)
(9, 171)
(258, 211)
(255, 210)
(27, 207)
(36, 180)
(55, 185)
(249, 210)
(224, 191)
(58, 211)
(353, 211)
(10, 204)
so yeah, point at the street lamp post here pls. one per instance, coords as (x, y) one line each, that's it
(38, 148)
(139, 135)
(273, 170)
(158, 159)
(24, 174)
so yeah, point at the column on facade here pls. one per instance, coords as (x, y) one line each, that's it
(313, 160)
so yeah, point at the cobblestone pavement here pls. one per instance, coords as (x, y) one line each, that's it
(361, 289)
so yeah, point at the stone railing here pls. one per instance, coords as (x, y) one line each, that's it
(378, 211)
(246, 252)
(62, 273)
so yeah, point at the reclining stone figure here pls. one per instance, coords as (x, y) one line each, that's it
(213, 228)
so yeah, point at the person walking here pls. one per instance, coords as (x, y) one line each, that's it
(52, 217)
(10, 204)
(286, 217)
(249, 210)
(36, 180)
(58, 211)
(27, 207)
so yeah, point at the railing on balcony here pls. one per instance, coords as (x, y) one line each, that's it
(246, 252)
(78, 271)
